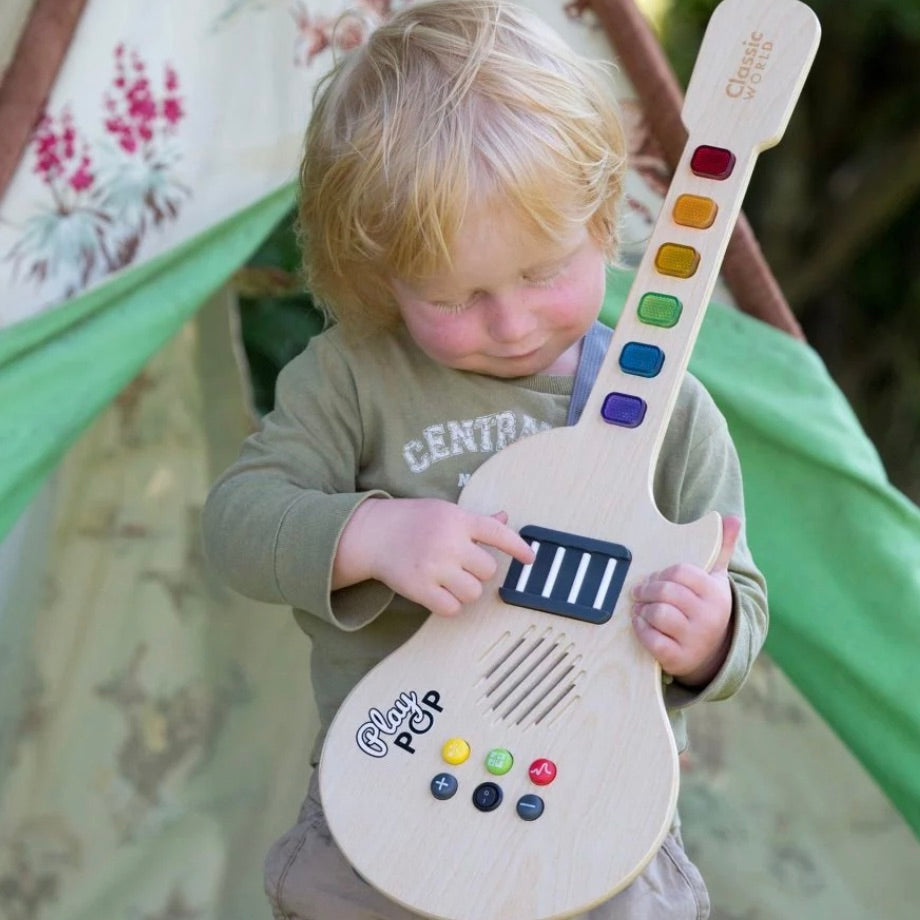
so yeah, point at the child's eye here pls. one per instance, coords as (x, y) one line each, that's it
(451, 306)
(544, 279)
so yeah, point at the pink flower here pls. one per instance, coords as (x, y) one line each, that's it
(55, 147)
(137, 114)
(81, 179)
(172, 109)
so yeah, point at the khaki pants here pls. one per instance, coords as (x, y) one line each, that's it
(308, 878)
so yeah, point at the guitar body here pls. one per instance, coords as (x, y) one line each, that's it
(538, 685)
(516, 762)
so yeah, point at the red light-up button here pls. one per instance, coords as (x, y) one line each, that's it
(712, 162)
(542, 771)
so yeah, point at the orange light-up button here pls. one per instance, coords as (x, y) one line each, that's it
(679, 261)
(455, 751)
(695, 211)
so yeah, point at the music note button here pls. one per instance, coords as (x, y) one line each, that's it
(542, 771)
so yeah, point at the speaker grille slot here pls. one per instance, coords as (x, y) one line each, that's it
(531, 678)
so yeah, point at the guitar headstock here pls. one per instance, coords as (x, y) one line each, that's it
(752, 52)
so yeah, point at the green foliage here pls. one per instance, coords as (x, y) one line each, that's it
(277, 317)
(279, 249)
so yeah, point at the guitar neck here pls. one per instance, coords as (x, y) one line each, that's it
(663, 313)
(749, 73)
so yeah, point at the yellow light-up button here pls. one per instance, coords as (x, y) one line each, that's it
(679, 261)
(695, 211)
(455, 751)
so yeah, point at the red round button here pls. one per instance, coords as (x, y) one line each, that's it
(542, 771)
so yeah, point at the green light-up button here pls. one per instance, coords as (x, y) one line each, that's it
(659, 310)
(677, 260)
(499, 761)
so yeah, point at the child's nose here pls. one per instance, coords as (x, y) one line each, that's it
(509, 318)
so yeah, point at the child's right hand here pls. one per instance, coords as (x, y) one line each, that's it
(426, 549)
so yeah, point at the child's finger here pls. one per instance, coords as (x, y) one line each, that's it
(731, 528)
(440, 602)
(662, 646)
(480, 563)
(664, 618)
(495, 532)
(464, 586)
(673, 593)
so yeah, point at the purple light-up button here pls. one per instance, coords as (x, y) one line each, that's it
(623, 409)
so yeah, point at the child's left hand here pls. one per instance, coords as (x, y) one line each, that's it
(682, 614)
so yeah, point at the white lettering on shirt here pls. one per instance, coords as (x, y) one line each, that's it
(455, 437)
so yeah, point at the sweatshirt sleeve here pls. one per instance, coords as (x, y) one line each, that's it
(706, 476)
(271, 523)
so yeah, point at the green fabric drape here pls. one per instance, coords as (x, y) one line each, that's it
(59, 370)
(839, 545)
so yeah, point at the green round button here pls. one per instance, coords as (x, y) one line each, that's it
(499, 761)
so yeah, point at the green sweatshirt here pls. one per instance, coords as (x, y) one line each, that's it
(378, 418)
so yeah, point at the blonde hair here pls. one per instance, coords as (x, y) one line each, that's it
(449, 103)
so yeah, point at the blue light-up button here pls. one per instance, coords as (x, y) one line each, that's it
(641, 359)
(623, 409)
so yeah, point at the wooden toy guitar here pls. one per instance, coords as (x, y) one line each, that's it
(516, 762)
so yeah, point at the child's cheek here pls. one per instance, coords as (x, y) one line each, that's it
(443, 338)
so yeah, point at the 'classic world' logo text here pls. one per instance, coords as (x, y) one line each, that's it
(743, 82)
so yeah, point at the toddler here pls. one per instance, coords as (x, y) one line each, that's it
(458, 209)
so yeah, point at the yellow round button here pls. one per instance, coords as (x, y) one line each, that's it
(455, 751)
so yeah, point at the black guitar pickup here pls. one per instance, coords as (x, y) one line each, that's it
(571, 576)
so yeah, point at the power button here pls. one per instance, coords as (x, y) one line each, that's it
(487, 796)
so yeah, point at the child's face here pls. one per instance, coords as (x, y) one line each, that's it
(514, 303)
